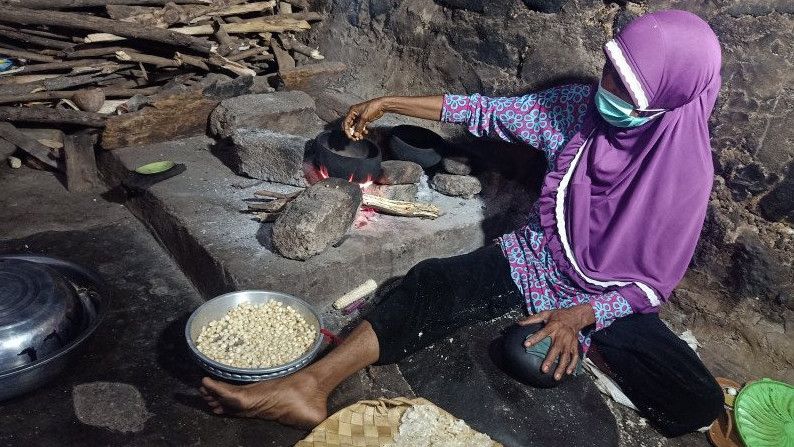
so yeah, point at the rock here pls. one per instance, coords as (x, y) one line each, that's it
(779, 203)
(14, 162)
(399, 172)
(266, 155)
(117, 406)
(317, 219)
(406, 193)
(456, 185)
(457, 165)
(287, 112)
(547, 6)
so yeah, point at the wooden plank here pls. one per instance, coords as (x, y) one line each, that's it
(29, 55)
(312, 78)
(51, 116)
(18, 35)
(73, 4)
(24, 16)
(168, 118)
(80, 161)
(41, 152)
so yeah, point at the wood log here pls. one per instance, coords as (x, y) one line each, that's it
(52, 138)
(306, 50)
(256, 51)
(25, 16)
(61, 65)
(41, 152)
(80, 161)
(51, 116)
(283, 59)
(24, 79)
(26, 55)
(175, 116)
(75, 4)
(193, 61)
(130, 92)
(58, 83)
(400, 208)
(94, 52)
(157, 61)
(312, 78)
(45, 42)
(233, 10)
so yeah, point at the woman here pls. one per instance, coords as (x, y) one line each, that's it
(622, 206)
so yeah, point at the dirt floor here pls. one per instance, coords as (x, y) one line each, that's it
(135, 383)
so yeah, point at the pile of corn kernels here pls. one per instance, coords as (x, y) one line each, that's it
(257, 336)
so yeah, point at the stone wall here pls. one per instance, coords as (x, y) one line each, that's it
(509, 46)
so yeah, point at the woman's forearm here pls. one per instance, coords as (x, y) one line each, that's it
(426, 107)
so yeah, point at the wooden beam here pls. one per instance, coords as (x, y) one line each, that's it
(41, 152)
(60, 65)
(73, 4)
(80, 161)
(51, 116)
(168, 118)
(25, 16)
(29, 55)
(46, 42)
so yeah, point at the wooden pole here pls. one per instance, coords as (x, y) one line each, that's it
(26, 55)
(25, 16)
(70, 4)
(34, 148)
(45, 42)
(51, 116)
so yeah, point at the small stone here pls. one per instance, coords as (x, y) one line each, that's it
(456, 185)
(267, 155)
(286, 112)
(317, 219)
(457, 165)
(405, 193)
(116, 406)
(14, 162)
(399, 172)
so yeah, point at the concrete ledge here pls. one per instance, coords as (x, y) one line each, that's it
(196, 216)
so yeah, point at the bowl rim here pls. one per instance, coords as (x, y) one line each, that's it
(394, 134)
(310, 352)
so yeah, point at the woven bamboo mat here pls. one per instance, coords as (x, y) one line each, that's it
(367, 423)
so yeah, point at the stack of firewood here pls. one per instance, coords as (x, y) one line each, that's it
(77, 62)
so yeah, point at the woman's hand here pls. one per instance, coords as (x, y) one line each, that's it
(562, 325)
(360, 116)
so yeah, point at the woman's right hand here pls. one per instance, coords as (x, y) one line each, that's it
(360, 116)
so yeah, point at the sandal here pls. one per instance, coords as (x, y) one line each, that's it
(722, 432)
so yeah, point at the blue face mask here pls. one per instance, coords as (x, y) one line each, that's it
(617, 112)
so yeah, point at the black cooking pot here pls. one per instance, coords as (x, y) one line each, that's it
(358, 161)
(417, 144)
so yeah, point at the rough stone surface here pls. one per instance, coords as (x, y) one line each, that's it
(457, 165)
(317, 219)
(267, 155)
(117, 406)
(463, 46)
(456, 185)
(287, 112)
(399, 172)
(406, 193)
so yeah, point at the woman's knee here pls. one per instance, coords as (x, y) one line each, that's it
(522, 365)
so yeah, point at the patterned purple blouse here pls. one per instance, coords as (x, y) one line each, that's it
(545, 120)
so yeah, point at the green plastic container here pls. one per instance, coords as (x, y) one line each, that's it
(155, 168)
(764, 413)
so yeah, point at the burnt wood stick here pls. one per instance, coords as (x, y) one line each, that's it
(62, 65)
(25, 16)
(193, 61)
(26, 55)
(74, 4)
(29, 145)
(51, 116)
(225, 42)
(46, 42)
(400, 208)
(66, 94)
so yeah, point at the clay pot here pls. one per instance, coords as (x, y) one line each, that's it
(347, 159)
(416, 144)
(90, 100)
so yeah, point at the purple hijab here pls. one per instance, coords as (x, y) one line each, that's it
(625, 206)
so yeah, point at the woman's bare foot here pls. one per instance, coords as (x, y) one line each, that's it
(294, 400)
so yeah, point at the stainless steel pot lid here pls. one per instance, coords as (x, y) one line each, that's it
(40, 313)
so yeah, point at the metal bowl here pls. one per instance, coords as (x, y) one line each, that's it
(217, 307)
(48, 308)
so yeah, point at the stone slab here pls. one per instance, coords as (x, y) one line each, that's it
(288, 112)
(267, 155)
(196, 216)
